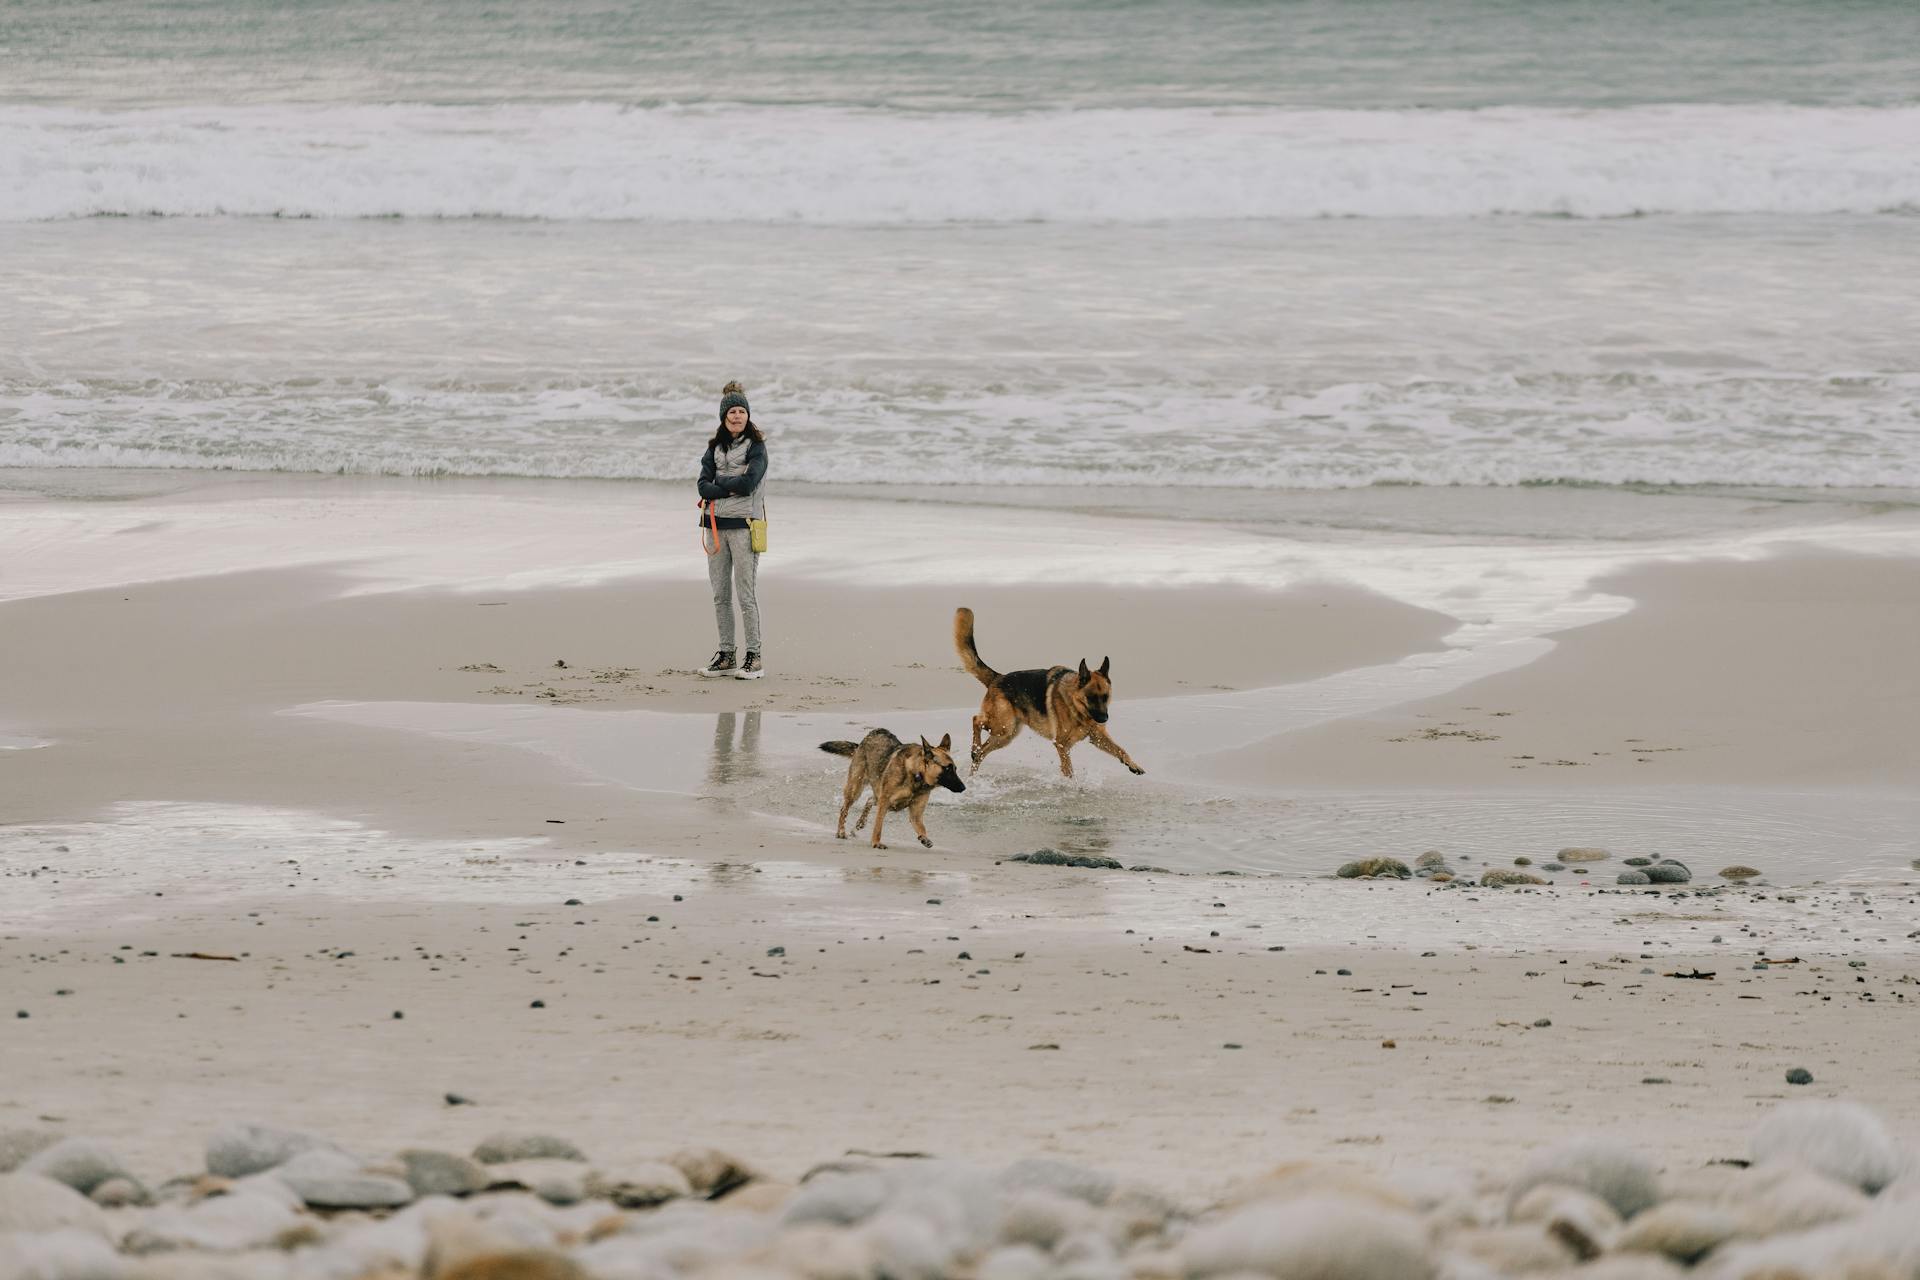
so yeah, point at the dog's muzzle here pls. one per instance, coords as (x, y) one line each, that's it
(1099, 717)
(951, 780)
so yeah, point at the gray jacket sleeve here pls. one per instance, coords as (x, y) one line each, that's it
(710, 487)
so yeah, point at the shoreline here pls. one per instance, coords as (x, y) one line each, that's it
(1405, 692)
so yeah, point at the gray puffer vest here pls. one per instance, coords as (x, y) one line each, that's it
(730, 463)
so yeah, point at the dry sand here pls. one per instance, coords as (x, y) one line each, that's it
(445, 879)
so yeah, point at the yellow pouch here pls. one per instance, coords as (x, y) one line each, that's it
(757, 532)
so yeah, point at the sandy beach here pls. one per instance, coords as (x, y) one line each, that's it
(356, 766)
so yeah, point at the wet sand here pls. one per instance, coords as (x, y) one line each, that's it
(255, 745)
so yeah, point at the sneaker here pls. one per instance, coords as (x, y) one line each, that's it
(751, 668)
(722, 664)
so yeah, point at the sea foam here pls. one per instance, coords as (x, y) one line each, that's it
(831, 165)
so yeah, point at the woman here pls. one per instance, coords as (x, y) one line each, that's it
(731, 494)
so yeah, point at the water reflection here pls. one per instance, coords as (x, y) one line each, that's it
(1082, 833)
(735, 760)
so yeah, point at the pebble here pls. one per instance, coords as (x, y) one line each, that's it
(442, 1173)
(1578, 854)
(16, 1145)
(1375, 867)
(1816, 1167)
(503, 1148)
(1799, 1075)
(80, 1163)
(241, 1149)
(327, 1179)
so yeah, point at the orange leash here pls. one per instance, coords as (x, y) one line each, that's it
(713, 524)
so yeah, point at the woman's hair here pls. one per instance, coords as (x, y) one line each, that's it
(723, 437)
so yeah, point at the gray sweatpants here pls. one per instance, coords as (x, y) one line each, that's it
(731, 571)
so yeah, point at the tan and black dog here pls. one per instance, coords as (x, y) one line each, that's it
(1060, 703)
(900, 777)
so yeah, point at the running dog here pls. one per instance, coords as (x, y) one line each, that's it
(1063, 704)
(900, 776)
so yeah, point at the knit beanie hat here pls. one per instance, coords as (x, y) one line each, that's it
(733, 396)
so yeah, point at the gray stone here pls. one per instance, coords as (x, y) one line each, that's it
(1668, 873)
(1323, 1237)
(1619, 1175)
(30, 1204)
(60, 1255)
(335, 1180)
(17, 1144)
(1842, 1140)
(1639, 862)
(241, 1149)
(249, 1217)
(558, 1182)
(118, 1193)
(501, 1148)
(1633, 877)
(80, 1163)
(441, 1173)
(710, 1172)
(840, 1198)
(1059, 1176)
(1799, 1075)
(1683, 1230)
(1577, 854)
(639, 1186)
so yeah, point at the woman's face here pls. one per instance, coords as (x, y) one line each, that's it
(736, 419)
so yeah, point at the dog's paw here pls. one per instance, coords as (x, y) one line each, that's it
(1136, 768)
(878, 845)
(839, 835)
(926, 842)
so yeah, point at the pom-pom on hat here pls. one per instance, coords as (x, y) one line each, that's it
(733, 396)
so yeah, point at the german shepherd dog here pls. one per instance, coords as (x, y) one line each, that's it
(1063, 704)
(901, 777)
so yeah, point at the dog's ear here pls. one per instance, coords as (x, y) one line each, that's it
(946, 742)
(1105, 663)
(1085, 674)
(924, 744)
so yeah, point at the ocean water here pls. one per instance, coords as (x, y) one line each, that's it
(1130, 245)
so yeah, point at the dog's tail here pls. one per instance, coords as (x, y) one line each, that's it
(970, 656)
(840, 748)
